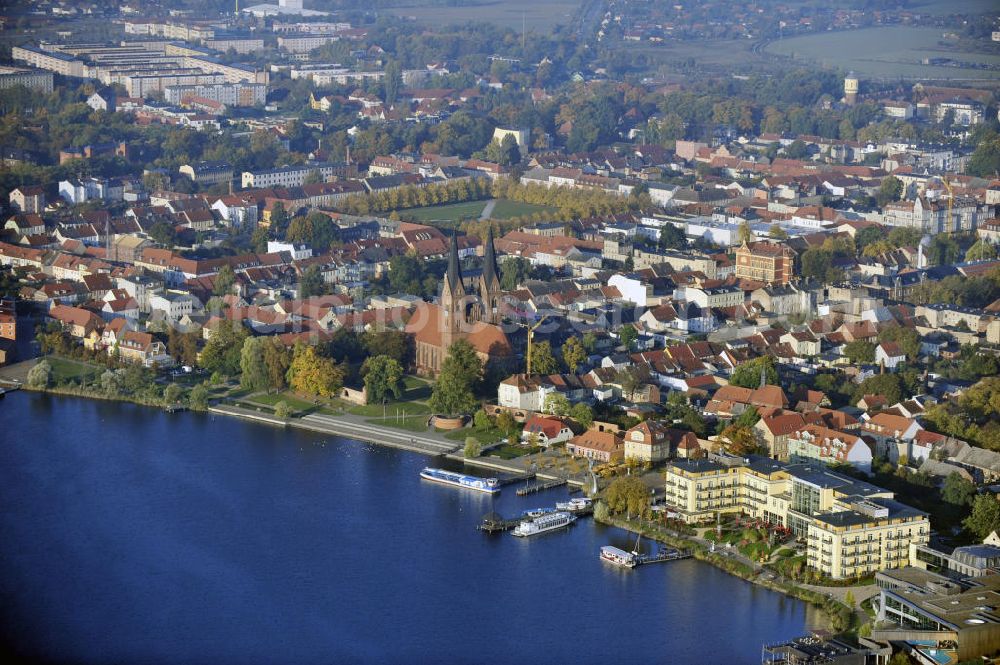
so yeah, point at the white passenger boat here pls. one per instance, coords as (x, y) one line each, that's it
(544, 524)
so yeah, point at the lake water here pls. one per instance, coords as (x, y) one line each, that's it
(130, 535)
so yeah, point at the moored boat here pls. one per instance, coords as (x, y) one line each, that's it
(543, 524)
(619, 557)
(488, 485)
(575, 504)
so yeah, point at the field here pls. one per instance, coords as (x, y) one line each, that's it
(538, 15)
(886, 52)
(455, 212)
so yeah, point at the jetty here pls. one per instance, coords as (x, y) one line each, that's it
(510, 480)
(664, 555)
(495, 523)
(540, 487)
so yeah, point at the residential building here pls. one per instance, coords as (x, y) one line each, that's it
(821, 444)
(889, 355)
(768, 262)
(545, 430)
(28, 199)
(291, 176)
(851, 528)
(600, 446)
(35, 79)
(207, 174)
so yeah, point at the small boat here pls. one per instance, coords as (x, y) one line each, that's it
(575, 504)
(488, 485)
(544, 524)
(537, 512)
(618, 557)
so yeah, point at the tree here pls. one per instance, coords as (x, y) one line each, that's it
(589, 342)
(282, 410)
(628, 335)
(981, 250)
(253, 366)
(163, 233)
(472, 447)
(172, 393)
(957, 490)
(198, 399)
(223, 351)
(505, 152)
(311, 283)
(582, 414)
(277, 359)
(744, 234)
(506, 424)
(40, 376)
(747, 375)
(557, 404)
(985, 160)
(632, 378)
(542, 360)
(482, 420)
(748, 418)
(889, 386)
(513, 271)
(258, 240)
(224, 281)
(629, 495)
(391, 82)
(890, 190)
(908, 340)
(460, 372)
(279, 219)
(943, 250)
(777, 233)
(383, 379)
(573, 354)
(816, 262)
(313, 374)
(860, 351)
(985, 516)
(672, 237)
(904, 236)
(868, 235)
(740, 440)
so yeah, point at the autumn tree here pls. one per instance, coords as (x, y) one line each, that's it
(557, 404)
(573, 354)
(254, 374)
(628, 495)
(313, 374)
(277, 359)
(224, 348)
(740, 440)
(542, 360)
(224, 281)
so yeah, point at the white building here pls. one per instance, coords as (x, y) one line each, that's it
(174, 304)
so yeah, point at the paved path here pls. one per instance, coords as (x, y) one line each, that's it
(488, 210)
(17, 371)
(351, 427)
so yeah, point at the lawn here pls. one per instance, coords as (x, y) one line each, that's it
(505, 209)
(391, 409)
(270, 399)
(455, 212)
(64, 369)
(484, 436)
(452, 212)
(510, 451)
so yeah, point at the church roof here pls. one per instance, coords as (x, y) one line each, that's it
(490, 270)
(453, 278)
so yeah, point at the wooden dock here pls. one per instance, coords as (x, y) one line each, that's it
(540, 487)
(495, 523)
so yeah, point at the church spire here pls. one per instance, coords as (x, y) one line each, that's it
(453, 278)
(490, 270)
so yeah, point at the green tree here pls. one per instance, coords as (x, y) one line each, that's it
(391, 82)
(985, 516)
(860, 351)
(740, 440)
(224, 281)
(282, 410)
(513, 272)
(981, 250)
(383, 379)
(745, 233)
(582, 414)
(816, 263)
(943, 250)
(542, 360)
(277, 359)
(224, 348)
(747, 375)
(957, 490)
(311, 282)
(573, 354)
(628, 495)
(672, 237)
(40, 376)
(628, 335)
(557, 404)
(869, 235)
(198, 399)
(172, 393)
(482, 420)
(889, 191)
(748, 418)
(908, 340)
(904, 236)
(472, 447)
(253, 366)
(985, 160)
(777, 233)
(507, 425)
(258, 240)
(461, 371)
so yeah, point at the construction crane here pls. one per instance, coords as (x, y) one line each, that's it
(531, 334)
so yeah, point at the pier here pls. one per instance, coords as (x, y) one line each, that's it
(495, 523)
(664, 555)
(540, 487)
(510, 480)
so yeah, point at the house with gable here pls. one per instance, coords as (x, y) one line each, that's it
(546, 430)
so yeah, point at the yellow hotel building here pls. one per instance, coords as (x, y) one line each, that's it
(850, 527)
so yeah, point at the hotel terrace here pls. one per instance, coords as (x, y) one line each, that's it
(851, 528)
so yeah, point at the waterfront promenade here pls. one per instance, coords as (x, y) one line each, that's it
(351, 427)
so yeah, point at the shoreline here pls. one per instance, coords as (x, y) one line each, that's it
(804, 595)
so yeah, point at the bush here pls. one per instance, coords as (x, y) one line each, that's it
(282, 410)
(172, 393)
(472, 447)
(199, 397)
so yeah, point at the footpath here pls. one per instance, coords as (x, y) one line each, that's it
(349, 426)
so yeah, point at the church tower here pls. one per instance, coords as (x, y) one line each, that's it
(489, 283)
(453, 297)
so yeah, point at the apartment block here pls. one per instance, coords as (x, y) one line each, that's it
(768, 262)
(850, 527)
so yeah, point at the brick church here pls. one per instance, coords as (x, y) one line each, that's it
(469, 311)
